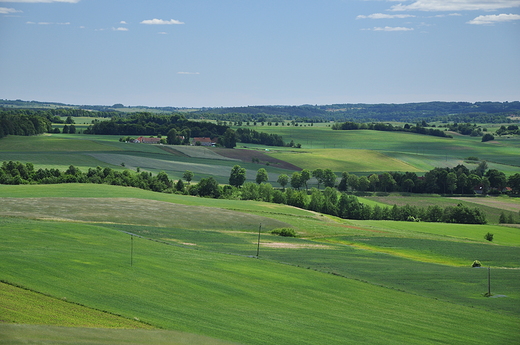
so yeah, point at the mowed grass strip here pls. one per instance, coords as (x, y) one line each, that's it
(136, 212)
(18, 305)
(18, 334)
(230, 297)
(78, 190)
(344, 160)
(503, 235)
(50, 143)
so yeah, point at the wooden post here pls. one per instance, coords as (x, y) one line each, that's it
(258, 246)
(489, 281)
(131, 250)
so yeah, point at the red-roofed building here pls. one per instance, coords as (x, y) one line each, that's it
(204, 141)
(144, 140)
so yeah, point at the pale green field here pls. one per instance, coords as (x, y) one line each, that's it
(382, 272)
(421, 151)
(340, 160)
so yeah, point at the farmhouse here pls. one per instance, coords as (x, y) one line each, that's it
(204, 141)
(143, 140)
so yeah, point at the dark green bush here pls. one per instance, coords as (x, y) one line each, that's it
(285, 232)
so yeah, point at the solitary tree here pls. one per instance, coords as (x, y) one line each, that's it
(296, 180)
(261, 176)
(283, 179)
(237, 176)
(188, 176)
(305, 176)
(318, 175)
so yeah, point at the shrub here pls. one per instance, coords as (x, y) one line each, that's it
(285, 232)
(476, 263)
(489, 236)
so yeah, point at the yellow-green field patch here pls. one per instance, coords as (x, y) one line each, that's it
(51, 143)
(344, 160)
(18, 305)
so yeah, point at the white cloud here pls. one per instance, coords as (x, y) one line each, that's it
(188, 73)
(494, 18)
(389, 28)
(161, 22)
(162, 33)
(5, 10)
(384, 16)
(44, 1)
(49, 23)
(123, 22)
(120, 29)
(447, 15)
(456, 5)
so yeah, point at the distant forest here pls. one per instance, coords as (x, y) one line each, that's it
(458, 112)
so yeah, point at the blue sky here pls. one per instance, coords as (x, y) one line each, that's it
(202, 53)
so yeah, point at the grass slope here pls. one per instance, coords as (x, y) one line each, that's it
(29, 307)
(227, 296)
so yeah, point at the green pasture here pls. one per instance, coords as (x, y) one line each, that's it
(20, 334)
(491, 206)
(238, 298)
(421, 151)
(339, 160)
(19, 305)
(88, 151)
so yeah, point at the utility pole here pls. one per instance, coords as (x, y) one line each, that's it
(131, 250)
(489, 281)
(258, 246)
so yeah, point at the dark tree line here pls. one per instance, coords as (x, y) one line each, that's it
(420, 129)
(18, 122)
(246, 135)
(15, 173)
(150, 124)
(328, 201)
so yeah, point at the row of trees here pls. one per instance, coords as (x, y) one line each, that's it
(328, 201)
(16, 122)
(16, 173)
(420, 129)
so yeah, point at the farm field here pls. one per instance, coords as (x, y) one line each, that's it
(491, 206)
(412, 280)
(421, 151)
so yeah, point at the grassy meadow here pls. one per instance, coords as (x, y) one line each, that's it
(420, 151)
(200, 276)
(98, 263)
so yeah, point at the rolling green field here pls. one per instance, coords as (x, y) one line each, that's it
(420, 151)
(339, 281)
(105, 256)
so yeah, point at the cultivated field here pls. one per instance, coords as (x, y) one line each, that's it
(119, 257)
(412, 280)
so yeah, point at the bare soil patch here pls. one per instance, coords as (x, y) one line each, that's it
(499, 203)
(248, 155)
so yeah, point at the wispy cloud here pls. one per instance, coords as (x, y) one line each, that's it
(447, 15)
(123, 22)
(161, 22)
(5, 10)
(188, 73)
(390, 28)
(120, 29)
(456, 5)
(384, 16)
(42, 1)
(49, 23)
(494, 18)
